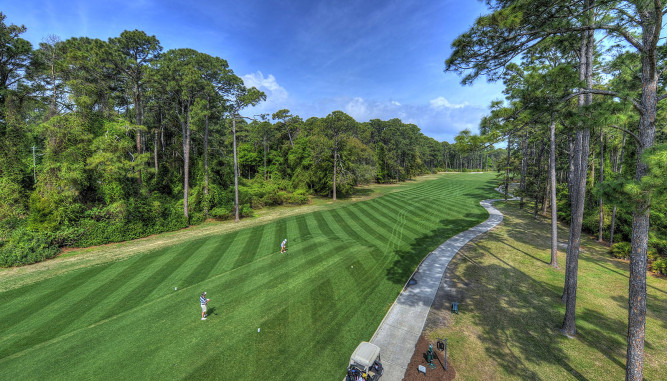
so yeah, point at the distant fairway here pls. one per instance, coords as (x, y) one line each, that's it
(344, 267)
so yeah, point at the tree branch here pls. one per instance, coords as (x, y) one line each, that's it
(627, 132)
(604, 92)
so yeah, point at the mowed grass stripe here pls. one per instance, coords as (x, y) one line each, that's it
(23, 308)
(75, 311)
(280, 234)
(307, 301)
(249, 251)
(393, 213)
(171, 260)
(323, 227)
(381, 233)
(209, 263)
(303, 229)
(345, 224)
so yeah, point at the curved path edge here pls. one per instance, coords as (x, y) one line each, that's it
(401, 327)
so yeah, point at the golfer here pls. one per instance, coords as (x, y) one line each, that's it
(203, 301)
(283, 246)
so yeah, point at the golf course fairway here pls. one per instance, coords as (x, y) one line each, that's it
(344, 267)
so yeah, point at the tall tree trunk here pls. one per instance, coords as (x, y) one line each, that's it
(185, 125)
(236, 172)
(137, 107)
(578, 179)
(206, 164)
(289, 135)
(524, 167)
(619, 170)
(334, 170)
(651, 23)
(507, 167)
(538, 191)
(155, 150)
(601, 224)
(554, 211)
(266, 175)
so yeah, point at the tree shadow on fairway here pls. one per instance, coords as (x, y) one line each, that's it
(515, 314)
(598, 336)
(407, 260)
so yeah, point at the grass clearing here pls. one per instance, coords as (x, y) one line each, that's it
(117, 314)
(510, 309)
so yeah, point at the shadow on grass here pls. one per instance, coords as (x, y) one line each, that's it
(515, 313)
(403, 267)
(612, 347)
(211, 311)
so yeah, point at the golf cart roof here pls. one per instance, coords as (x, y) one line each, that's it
(365, 354)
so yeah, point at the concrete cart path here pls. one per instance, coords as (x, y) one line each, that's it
(400, 329)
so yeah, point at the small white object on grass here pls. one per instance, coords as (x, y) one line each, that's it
(175, 288)
(257, 330)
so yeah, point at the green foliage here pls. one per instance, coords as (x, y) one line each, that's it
(660, 266)
(11, 199)
(131, 219)
(621, 250)
(25, 247)
(259, 193)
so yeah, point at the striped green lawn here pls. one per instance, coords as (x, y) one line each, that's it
(344, 268)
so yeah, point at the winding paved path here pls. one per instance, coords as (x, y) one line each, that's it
(400, 329)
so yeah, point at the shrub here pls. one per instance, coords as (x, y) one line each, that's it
(660, 266)
(299, 197)
(220, 212)
(25, 247)
(621, 250)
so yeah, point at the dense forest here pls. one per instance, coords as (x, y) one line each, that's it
(106, 141)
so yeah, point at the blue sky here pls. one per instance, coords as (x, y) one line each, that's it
(369, 58)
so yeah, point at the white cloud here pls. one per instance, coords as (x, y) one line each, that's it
(276, 95)
(442, 121)
(269, 85)
(442, 103)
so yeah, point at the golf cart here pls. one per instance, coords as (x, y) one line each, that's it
(365, 363)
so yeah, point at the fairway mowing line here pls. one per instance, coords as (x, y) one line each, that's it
(396, 232)
(80, 309)
(59, 338)
(390, 212)
(287, 289)
(64, 289)
(202, 271)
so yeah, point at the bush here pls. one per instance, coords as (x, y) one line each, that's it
(25, 247)
(220, 212)
(300, 197)
(660, 266)
(621, 250)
